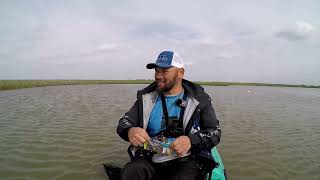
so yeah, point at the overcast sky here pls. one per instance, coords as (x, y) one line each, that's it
(274, 41)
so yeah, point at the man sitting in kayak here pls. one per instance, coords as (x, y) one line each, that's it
(173, 109)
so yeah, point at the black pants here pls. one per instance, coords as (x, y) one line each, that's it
(142, 169)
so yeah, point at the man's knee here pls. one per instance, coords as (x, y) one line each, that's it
(138, 169)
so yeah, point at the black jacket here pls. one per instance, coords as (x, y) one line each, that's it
(203, 115)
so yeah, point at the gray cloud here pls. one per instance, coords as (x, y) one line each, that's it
(299, 31)
(102, 49)
(226, 56)
(163, 29)
(109, 47)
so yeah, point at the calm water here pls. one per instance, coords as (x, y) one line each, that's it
(67, 132)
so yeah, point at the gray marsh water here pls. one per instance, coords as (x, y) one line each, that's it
(67, 132)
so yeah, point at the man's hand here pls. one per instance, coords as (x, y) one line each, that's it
(181, 145)
(137, 136)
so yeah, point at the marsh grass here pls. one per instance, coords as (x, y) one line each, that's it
(19, 84)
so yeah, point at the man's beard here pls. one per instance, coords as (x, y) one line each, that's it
(167, 87)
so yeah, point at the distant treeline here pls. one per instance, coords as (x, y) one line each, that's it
(18, 84)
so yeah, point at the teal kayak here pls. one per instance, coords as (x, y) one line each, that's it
(218, 173)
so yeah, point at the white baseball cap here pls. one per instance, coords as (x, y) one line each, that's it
(167, 59)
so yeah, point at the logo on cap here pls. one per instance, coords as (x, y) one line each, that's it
(162, 58)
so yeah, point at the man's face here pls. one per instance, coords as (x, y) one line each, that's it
(167, 78)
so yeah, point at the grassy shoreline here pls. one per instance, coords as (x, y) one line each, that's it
(19, 84)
